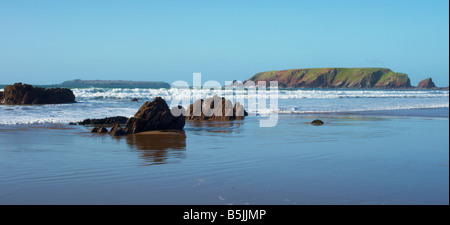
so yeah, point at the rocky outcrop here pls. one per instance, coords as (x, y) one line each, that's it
(116, 130)
(105, 121)
(154, 115)
(336, 78)
(208, 110)
(100, 130)
(317, 122)
(25, 94)
(426, 84)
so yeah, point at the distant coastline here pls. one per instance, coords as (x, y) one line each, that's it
(310, 78)
(114, 84)
(104, 84)
(342, 78)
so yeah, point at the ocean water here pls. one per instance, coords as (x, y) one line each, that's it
(376, 147)
(105, 102)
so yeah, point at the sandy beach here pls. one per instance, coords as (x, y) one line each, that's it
(351, 159)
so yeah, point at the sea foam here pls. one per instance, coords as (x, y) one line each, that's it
(105, 102)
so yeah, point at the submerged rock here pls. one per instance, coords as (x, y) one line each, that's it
(154, 115)
(134, 100)
(215, 108)
(25, 94)
(105, 121)
(317, 122)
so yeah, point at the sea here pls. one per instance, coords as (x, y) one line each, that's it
(376, 147)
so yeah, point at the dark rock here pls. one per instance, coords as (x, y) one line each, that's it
(116, 130)
(239, 111)
(1, 95)
(134, 100)
(206, 110)
(105, 121)
(72, 123)
(317, 122)
(426, 84)
(24, 94)
(102, 130)
(154, 115)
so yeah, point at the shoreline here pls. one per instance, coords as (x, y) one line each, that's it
(377, 160)
(2, 86)
(415, 112)
(419, 113)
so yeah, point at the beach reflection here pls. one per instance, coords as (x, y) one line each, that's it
(157, 147)
(224, 127)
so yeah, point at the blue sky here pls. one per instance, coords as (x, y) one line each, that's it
(48, 42)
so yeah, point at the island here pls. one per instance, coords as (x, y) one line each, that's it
(426, 84)
(380, 78)
(114, 84)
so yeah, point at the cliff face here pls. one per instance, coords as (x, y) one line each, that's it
(427, 83)
(336, 78)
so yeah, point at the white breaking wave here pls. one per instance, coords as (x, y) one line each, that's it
(106, 102)
(125, 93)
(362, 110)
(318, 94)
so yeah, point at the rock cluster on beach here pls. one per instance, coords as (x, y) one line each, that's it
(154, 115)
(25, 94)
(207, 110)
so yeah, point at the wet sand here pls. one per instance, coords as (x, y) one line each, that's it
(352, 159)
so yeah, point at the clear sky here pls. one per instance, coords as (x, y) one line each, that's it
(48, 42)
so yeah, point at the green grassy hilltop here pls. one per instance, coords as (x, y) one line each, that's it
(336, 78)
